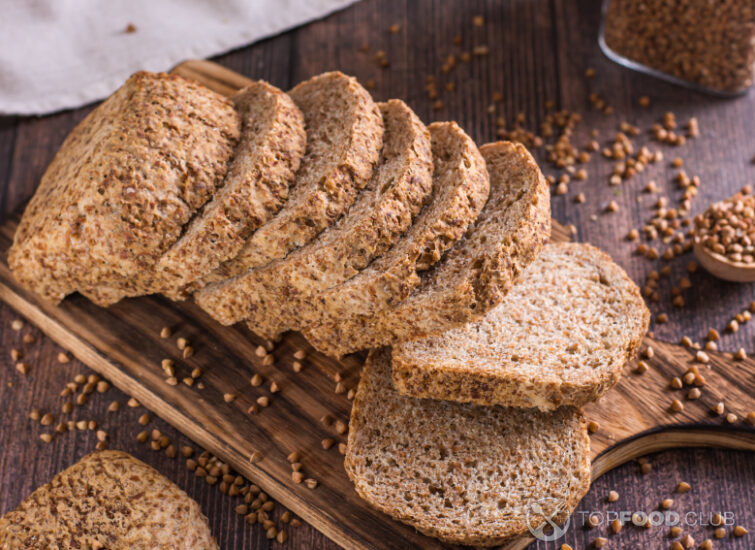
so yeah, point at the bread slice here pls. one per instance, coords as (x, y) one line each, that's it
(279, 295)
(272, 143)
(344, 138)
(121, 188)
(109, 500)
(560, 337)
(462, 473)
(460, 189)
(473, 277)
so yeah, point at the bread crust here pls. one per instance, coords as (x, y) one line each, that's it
(451, 365)
(273, 140)
(121, 187)
(475, 274)
(391, 437)
(112, 500)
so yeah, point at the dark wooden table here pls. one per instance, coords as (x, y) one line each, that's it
(538, 52)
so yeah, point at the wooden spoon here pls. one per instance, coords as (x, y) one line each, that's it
(721, 266)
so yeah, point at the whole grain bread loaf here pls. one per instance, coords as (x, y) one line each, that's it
(280, 295)
(462, 473)
(473, 277)
(344, 138)
(560, 337)
(460, 189)
(266, 158)
(108, 500)
(121, 188)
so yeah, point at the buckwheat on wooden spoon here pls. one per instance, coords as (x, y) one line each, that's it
(725, 239)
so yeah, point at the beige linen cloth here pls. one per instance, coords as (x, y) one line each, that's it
(61, 54)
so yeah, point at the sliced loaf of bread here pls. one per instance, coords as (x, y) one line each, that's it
(107, 500)
(560, 337)
(121, 188)
(462, 473)
(277, 296)
(344, 138)
(255, 188)
(473, 277)
(460, 189)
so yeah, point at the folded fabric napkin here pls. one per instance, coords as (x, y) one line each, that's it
(60, 54)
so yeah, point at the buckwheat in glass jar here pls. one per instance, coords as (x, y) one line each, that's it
(706, 44)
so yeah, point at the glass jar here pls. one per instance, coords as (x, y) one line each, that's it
(704, 44)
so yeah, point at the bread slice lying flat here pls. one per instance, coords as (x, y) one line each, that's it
(460, 189)
(344, 138)
(560, 337)
(121, 188)
(281, 294)
(458, 472)
(473, 277)
(272, 143)
(109, 500)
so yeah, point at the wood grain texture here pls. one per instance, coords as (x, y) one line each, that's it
(539, 50)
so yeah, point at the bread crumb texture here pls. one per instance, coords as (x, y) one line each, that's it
(121, 188)
(107, 500)
(459, 472)
(562, 336)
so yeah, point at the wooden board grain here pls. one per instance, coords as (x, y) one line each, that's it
(123, 344)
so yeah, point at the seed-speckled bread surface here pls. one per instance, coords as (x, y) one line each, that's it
(280, 295)
(121, 188)
(273, 140)
(462, 473)
(108, 500)
(474, 276)
(560, 337)
(344, 138)
(460, 189)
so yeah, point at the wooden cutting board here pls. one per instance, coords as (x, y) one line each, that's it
(123, 344)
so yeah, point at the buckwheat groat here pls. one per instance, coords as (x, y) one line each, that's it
(462, 473)
(562, 336)
(121, 188)
(107, 500)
